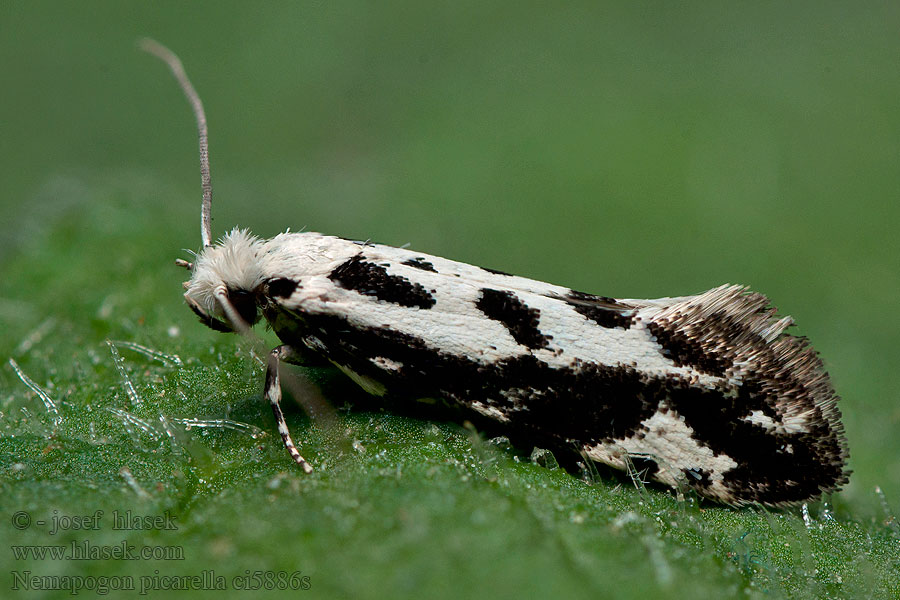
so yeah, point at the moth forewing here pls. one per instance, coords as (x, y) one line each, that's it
(705, 391)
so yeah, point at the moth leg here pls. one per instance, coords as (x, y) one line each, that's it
(305, 355)
(273, 394)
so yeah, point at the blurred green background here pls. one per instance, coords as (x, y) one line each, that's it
(626, 149)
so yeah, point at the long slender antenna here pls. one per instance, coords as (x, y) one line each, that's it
(158, 50)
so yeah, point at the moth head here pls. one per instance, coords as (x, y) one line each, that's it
(225, 282)
(225, 278)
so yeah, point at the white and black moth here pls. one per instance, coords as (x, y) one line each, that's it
(706, 391)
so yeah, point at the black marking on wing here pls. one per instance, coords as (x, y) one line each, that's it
(587, 403)
(771, 467)
(369, 279)
(419, 263)
(686, 351)
(605, 312)
(281, 287)
(521, 320)
(495, 271)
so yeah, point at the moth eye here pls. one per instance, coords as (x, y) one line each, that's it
(244, 303)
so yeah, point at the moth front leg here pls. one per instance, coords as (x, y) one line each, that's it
(273, 394)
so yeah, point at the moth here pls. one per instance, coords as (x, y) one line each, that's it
(706, 392)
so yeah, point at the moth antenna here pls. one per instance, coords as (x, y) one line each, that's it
(167, 56)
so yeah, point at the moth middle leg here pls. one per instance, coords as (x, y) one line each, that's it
(291, 355)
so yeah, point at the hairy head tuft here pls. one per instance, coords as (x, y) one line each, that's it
(231, 263)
